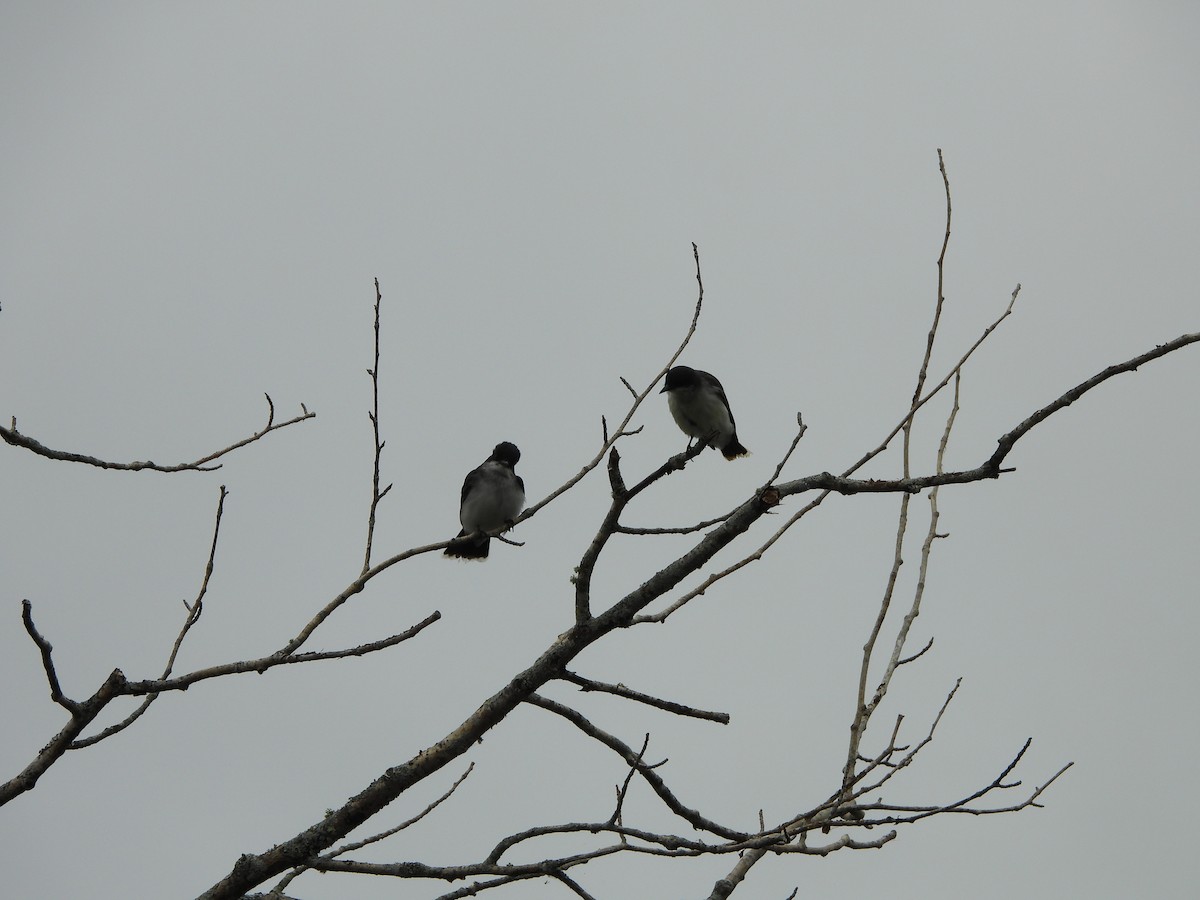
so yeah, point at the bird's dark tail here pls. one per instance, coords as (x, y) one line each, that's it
(472, 546)
(734, 449)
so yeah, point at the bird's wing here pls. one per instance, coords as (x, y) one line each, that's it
(711, 381)
(474, 477)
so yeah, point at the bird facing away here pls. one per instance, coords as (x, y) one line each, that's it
(700, 409)
(492, 497)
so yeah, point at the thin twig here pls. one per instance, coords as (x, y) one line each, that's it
(353, 588)
(572, 884)
(375, 838)
(623, 790)
(656, 783)
(265, 663)
(193, 616)
(910, 814)
(936, 389)
(688, 529)
(46, 649)
(757, 554)
(376, 494)
(800, 429)
(620, 690)
(621, 496)
(639, 398)
(859, 782)
(862, 710)
(926, 549)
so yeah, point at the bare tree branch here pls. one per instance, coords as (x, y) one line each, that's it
(638, 399)
(800, 429)
(193, 616)
(253, 869)
(620, 690)
(937, 388)
(804, 511)
(16, 439)
(376, 494)
(873, 759)
(265, 663)
(81, 717)
(623, 790)
(376, 838)
(627, 753)
(355, 587)
(686, 529)
(727, 885)
(572, 884)
(621, 496)
(118, 686)
(902, 815)
(858, 786)
(454, 873)
(863, 710)
(44, 646)
(991, 467)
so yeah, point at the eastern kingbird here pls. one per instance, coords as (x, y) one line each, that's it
(492, 496)
(701, 410)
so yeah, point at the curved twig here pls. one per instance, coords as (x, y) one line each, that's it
(16, 439)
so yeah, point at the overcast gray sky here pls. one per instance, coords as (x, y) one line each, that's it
(195, 201)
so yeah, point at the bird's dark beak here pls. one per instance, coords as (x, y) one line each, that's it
(664, 389)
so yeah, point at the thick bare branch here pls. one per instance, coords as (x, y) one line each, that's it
(81, 717)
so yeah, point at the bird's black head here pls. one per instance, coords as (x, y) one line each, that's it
(680, 377)
(506, 452)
